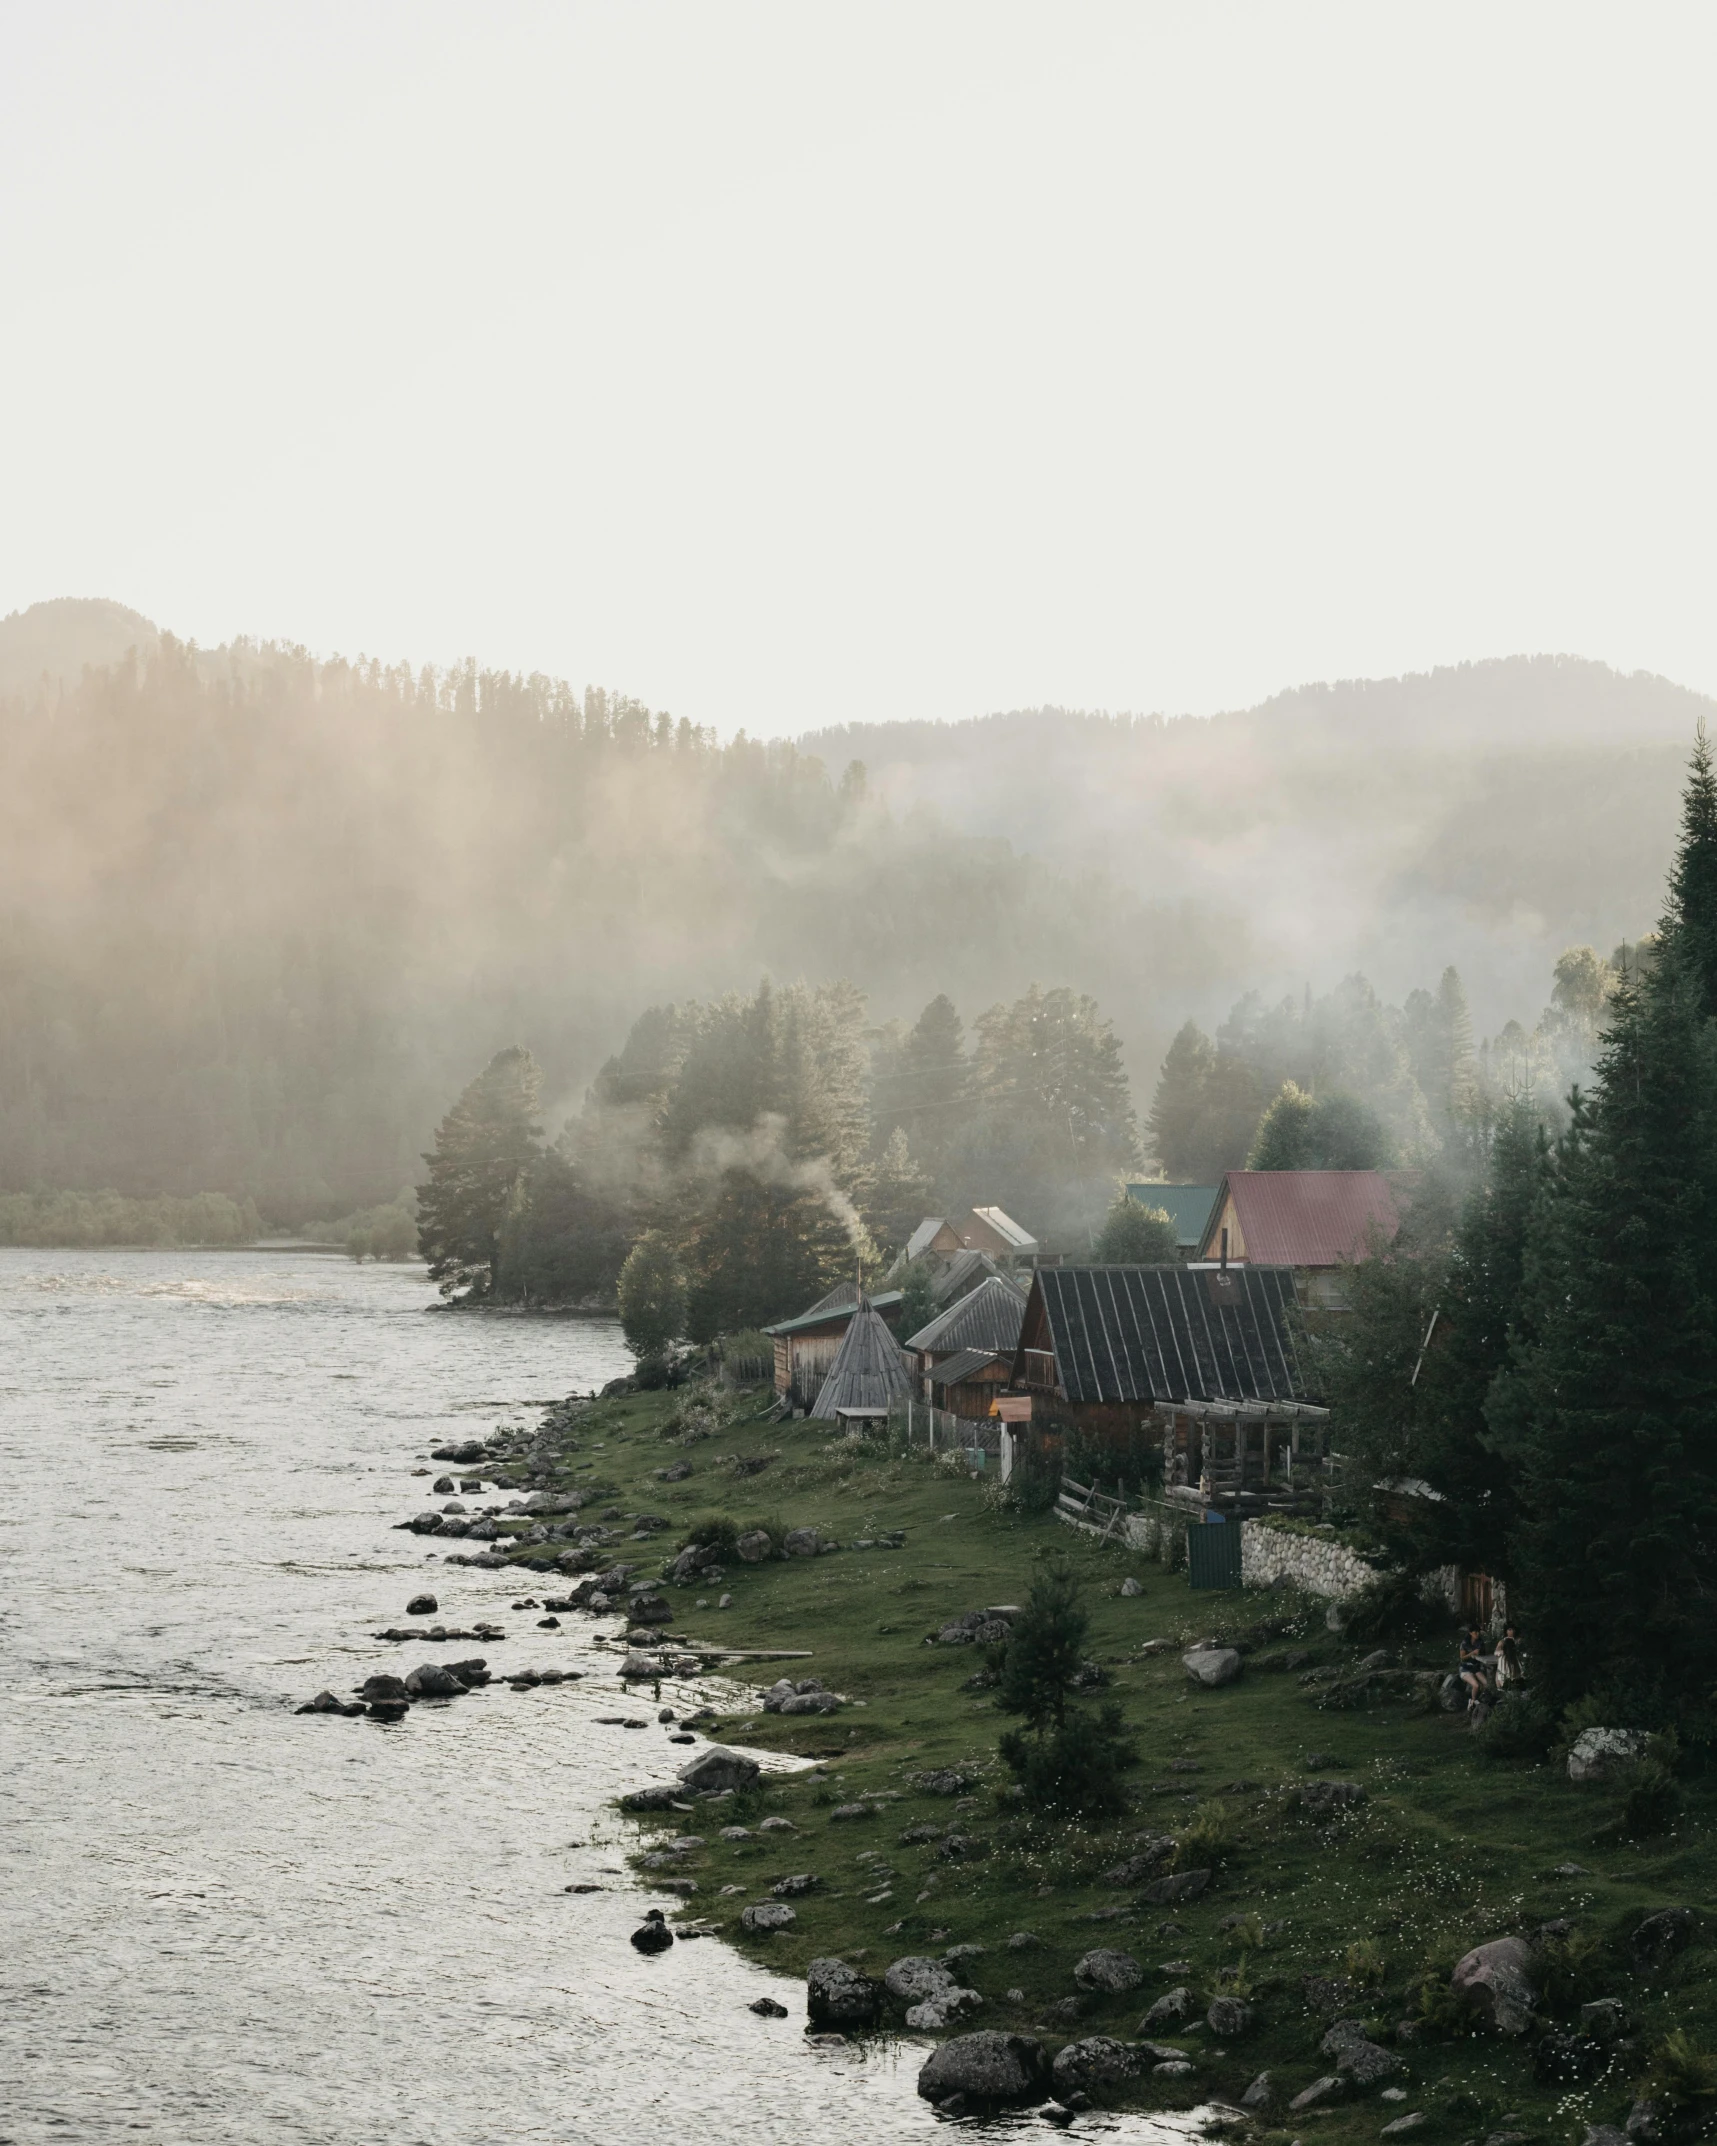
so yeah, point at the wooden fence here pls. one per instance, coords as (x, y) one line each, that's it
(939, 1430)
(1147, 1524)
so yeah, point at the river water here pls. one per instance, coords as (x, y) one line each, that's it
(223, 1922)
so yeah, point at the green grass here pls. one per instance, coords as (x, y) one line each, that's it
(1443, 1853)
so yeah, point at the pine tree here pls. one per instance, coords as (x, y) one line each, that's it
(1609, 1411)
(1067, 1759)
(1691, 927)
(483, 1149)
(927, 1088)
(1408, 1368)
(1054, 1115)
(1171, 1130)
(898, 1196)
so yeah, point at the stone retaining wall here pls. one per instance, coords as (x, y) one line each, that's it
(1272, 1557)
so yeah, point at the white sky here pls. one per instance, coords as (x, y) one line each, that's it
(789, 364)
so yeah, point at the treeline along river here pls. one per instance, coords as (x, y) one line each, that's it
(221, 1921)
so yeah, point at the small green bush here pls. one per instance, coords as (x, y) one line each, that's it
(1364, 1963)
(1440, 2007)
(1035, 1483)
(1391, 1607)
(1570, 1969)
(1651, 1800)
(1209, 1837)
(1681, 2072)
(716, 1530)
(1520, 1726)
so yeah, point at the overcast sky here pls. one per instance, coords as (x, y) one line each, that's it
(788, 364)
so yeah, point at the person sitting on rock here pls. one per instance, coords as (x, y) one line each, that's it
(1473, 1668)
(1508, 1664)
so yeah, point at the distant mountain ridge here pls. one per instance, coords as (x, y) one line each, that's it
(58, 639)
(269, 913)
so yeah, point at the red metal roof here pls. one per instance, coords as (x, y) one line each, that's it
(1305, 1218)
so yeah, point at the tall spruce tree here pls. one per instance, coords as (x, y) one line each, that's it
(484, 1149)
(1407, 1370)
(1609, 1411)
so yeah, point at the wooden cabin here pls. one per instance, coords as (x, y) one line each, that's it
(1316, 1222)
(979, 1229)
(987, 1317)
(868, 1377)
(1203, 1359)
(806, 1347)
(969, 1383)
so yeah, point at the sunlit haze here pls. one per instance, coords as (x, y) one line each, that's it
(787, 366)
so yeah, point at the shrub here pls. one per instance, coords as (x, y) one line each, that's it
(1570, 1969)
(1650, 1802)
(1440, 2007)
(1520, 1726)
(1208, 1837)
(1364, 1964)
(1035, 1483)
(716, 1530)
(1681, 2072)
(1390, 1607)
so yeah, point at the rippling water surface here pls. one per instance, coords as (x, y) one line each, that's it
(220, 1921)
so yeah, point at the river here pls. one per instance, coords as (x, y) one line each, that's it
(224, 1922)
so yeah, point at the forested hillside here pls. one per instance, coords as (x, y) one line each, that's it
(262, 915)
(1488, 815)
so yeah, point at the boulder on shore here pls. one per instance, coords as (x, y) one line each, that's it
(837, 1995)
(326, 1703)
(382, 1686)
(768, 1915)
(989, 2069)
(1096, 2066)
(431, 1681)
(716, 1768)
(1495, 1981)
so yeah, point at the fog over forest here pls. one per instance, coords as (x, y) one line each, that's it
(264, 914)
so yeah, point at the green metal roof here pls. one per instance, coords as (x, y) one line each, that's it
(822, 1314)
(1187, 1207)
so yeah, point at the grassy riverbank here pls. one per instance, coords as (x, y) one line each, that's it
(1442, 1852)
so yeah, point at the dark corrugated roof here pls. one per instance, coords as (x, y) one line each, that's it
(989, 1318)
(956, 1368)
(868, 1371)
(965, 1271)
(1309, 1218)
(835, 1305)
(1187, 1207)
(1170, 1333)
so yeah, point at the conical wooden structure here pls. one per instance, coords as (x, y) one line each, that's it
(868, 1371)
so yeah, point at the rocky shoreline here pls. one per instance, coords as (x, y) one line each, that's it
(894, 1874)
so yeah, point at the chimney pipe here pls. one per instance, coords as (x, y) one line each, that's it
(1225, 1251)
